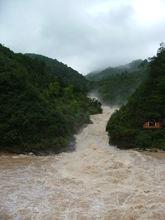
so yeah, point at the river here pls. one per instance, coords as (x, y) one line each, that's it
(97, 181)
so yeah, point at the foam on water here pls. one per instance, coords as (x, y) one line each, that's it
(94, 182)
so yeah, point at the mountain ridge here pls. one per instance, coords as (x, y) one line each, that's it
(105, 72)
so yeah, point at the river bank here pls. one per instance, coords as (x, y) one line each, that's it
(96, 181)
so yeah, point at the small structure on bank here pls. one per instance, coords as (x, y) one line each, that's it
(152, 124)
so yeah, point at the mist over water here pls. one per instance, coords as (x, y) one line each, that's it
(97, 181)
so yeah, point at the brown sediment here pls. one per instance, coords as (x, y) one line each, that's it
(159, 155)
(97, 181)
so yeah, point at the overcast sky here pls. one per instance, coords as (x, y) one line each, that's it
(85, 34)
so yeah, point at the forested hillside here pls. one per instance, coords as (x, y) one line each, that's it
(42, 103)
(105, 73)
(140, 123)
(115, 85)
(63, 73)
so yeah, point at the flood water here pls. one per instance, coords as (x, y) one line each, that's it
(97, 181)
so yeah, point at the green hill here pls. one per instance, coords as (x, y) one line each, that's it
(115, 85)
(42, 103)
(64, 74)
(146, 105)
(105, 73)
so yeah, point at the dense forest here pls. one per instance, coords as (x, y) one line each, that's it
(42, 103)
(63, 73)
(115, 85)
(99, 75)
(140, 123)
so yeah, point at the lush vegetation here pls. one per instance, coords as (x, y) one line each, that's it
(115, 85)
(125, 127)
(42, 103)
(105, 73)
(64, 74)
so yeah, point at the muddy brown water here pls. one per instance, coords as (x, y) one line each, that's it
(97, 181)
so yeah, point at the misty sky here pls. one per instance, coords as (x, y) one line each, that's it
(85, 34)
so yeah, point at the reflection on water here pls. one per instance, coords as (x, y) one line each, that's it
(94, 182)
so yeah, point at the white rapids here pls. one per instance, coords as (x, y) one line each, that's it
(97, 181)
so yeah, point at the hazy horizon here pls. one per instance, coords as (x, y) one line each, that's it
(86, 35)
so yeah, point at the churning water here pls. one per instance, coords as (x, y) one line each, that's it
(97, 181)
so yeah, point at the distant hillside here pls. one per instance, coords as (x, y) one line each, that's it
(42, 103)
(140, 123)
(115, 85)
(99, 75)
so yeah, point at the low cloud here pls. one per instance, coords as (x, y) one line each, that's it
(86, 35)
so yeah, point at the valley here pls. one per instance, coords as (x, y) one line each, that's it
(96, 181)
